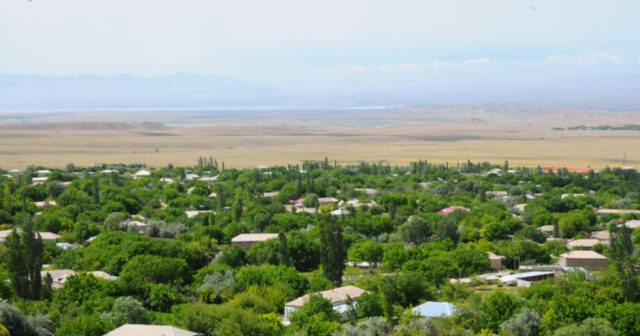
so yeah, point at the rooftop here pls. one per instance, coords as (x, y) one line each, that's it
(334, 295)
(149, 330)
(434, 309)
(582, 255)
(253, 237)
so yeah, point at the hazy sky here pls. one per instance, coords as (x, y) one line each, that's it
(407, 51)
(297, 39)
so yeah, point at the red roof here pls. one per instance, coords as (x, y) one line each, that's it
(451, 209)
(296, 202)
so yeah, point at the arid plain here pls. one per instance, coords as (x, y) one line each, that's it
(523, 136)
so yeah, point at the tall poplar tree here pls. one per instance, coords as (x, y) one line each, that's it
(24, 259)
(332, 249)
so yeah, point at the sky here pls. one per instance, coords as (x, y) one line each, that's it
(360, 45)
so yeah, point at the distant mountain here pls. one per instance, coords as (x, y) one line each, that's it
(187, 91)
(26, 92)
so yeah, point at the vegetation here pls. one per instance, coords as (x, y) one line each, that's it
(169, 267)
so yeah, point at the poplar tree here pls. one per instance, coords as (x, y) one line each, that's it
(24, 259)
(332, 249)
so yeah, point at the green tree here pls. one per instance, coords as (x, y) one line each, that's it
(621, 248)
(85, 325)
(236, 208)
(6, 199)
(332, 249)
(497, 308)
(310, 201)
(525, 323)
(24, 259)
(416, 230)
(127, 310)
(589, 327)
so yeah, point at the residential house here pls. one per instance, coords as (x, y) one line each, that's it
(59, 277)
(246, 240)
(587, 259)
(496, 260)
(273, 194)
(586, 244)
(601, 212)
(434, 309)
(150, 330)
(632, 224)
(547, 229)
(327, 200)
(193, 213)
(141, 173)
(602, 236)
(525, 279)
(368, 191)
(451, 209)
(337, 296)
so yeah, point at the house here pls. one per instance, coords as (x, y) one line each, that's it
(340, 212)
(496, 260)
(327, 200)
(45, 204)
(190, 190)
(451, 209)
(496, 194)
(434, 309)
(273, 194)
(525, 279)
(103, 275)
(587, 259)
(46, 236)
(368, 191)
(558, 269)
(141, 173)
(213, 195)
(297, 202)
(193, 213)
(632, 224)
(519, 208)
(59, 277)
(15, 172)
(601, 212)
(602, 236)
(337, 296)
(356, 204)
(547, 229)
(150, 330)
(563, 196)
(246, 240)
(43, 172)
(39, 180)
(134, 225)
(166, 180)
(586, 244)
(209, 178)
(67, 246)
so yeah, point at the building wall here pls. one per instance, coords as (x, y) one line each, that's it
(244, 245)
(496, 263)
(592, 264)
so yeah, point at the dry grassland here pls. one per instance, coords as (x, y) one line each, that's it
(522, 138)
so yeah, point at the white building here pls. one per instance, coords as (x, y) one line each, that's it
(337, 296)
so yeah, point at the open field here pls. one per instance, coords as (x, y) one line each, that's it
(438, 134)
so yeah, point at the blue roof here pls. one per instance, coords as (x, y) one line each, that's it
(435, 309)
